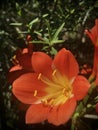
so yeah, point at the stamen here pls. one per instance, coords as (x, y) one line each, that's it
(45, 101)
(71, 95)
(39, 76)
(54, 72)
(14, 60)
(63, 91)
(14, 57)
(35, 93)
(51, 102)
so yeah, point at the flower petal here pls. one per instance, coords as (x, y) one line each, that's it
(16, 67)
(80, 87)
(61, 114)
(41, 63)
(13, 75)
(27, 88)
(93, 33)
(66, 63)
(25, 60)
(24, 56)
(95, 63)
(36, 113)
(96, 78)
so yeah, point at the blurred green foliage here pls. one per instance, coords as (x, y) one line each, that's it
(52, 24)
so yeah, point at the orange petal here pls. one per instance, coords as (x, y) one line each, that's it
(93, 33)
(13, 75)
(96, 108)
(80, 87)
(25, 60)
(96, 78)
(61, 114)
(66, 63)
(27, 88)
(16, 67)
(41, 63)
(36, 113)
(95, 64)
(90, 34)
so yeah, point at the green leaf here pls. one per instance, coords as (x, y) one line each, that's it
(45, 15)
(72, 11)
(49, 30)
(38, 33)
(16, 24)
(32, 22)
(18, 9)
(55, 37)
(53, 51)
(91, 116)
(57, 41)
(39, 42)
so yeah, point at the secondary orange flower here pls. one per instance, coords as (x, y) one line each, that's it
(53, 90)
(86, 70)
(96, 108)
(93, 34)
(22, 63)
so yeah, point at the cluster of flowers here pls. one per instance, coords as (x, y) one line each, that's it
(52, 87)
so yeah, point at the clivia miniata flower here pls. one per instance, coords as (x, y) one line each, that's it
(86, 70)
(96, 108)
(22, 63)
(93, 34)
(53, 89)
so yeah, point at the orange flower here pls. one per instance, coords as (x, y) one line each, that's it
(86, 70)
(96, 108)
(22, 63)
(93, 34)
(53, 90)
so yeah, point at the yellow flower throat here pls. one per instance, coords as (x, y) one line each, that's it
(58, 89)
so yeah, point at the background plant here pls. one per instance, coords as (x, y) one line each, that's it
(52, 25)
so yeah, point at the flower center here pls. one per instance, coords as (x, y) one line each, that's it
(58, 89)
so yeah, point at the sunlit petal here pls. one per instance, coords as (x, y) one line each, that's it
(80, 87)
(61, 114)
(41, 63)
(27, 88)
(37, 113)
(66, 63)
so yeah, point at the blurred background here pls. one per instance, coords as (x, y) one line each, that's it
(43, 20)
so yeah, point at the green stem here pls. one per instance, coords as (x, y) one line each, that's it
(80, 108)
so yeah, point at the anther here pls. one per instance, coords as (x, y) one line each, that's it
(51, 102)
(14, 60)
(63, 91)
(54, 72)
(14, 57)
(45, 101)
(35, 93)
(39, 76)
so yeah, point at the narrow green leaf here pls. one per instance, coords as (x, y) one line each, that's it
(32, 22)
(39, 42)
(55, 37)
(53, 51)
(57, 41)
(45, 15)
(72, 11)
(16, 24)
(49, 30)
(38, 33)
